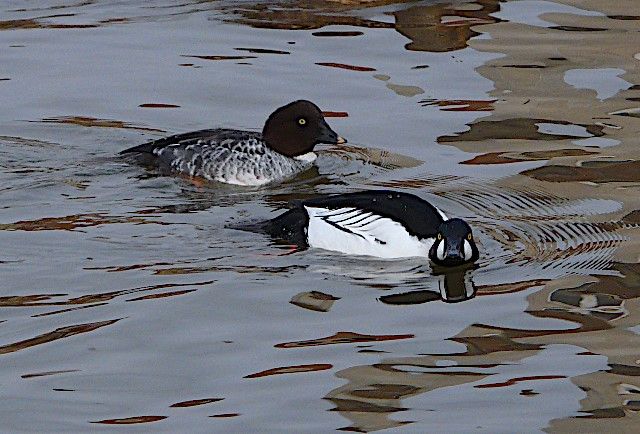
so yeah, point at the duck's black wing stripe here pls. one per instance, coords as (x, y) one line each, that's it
(418, 216)
(342, 228)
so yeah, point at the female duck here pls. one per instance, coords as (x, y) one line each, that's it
(381, 223)
(284, 148)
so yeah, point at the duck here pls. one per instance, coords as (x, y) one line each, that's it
(380, 223)
(283, 149)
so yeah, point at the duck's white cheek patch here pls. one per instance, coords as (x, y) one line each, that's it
(440, 251)
(468, 253)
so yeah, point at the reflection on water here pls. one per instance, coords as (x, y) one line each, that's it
(129, 299)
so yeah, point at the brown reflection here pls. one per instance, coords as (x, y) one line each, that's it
(346, 66)
(46, 374)
(262, 51)
(195, 402)
(130, 420)
(375, 157)
(374, 393)
(436, 28)
(443, 27)
(90, 300)
(85, 121)
(517, 157)
(162, 295)
(60, 333)
(304, 14)
(70, 309)
(460, 105)
(632, 218)
(32, 23)
(515, 128)
(342, 338)
(626, 171)
(72, 222)
(242, 269)
(513, 381)
(291, 370)
(216, 57)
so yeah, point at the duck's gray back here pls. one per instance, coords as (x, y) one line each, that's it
(246, 161)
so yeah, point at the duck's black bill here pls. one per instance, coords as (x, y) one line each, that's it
(327, 135)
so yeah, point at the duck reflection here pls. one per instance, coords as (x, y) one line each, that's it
(455, 285)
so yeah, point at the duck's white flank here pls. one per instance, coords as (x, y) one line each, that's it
(356, 232)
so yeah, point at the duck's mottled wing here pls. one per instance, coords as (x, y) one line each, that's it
(212, 136)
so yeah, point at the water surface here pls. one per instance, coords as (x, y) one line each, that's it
(126, 298)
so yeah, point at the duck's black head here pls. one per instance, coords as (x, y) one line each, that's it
(454, 244)
(296, 128)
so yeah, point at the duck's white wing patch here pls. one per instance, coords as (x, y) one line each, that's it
(359, 232)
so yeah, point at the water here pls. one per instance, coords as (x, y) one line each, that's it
(126, 298)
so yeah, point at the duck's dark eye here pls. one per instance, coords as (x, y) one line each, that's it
(469, 237)
(302, 121)
(439, 237)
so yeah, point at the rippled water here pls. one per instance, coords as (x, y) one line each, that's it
(127, 297)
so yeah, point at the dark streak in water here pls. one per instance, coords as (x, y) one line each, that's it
(578, 29)
(342, 338)
(59, 333)
(339, 34)
(506, 157)
(627, 171)
(86, 121)
(71, 309)
(524, 66)
(262, 51)
(158, 105)
(346, 66)
(162, 295)
(291, 370)
(219, 57)
(71, 223)
(195, 402)
(624, 17)
(46, 374)
(130, 420)
(513, 381)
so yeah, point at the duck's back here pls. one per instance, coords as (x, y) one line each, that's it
(224, 155)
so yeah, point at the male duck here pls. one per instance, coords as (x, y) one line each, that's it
(381, 223)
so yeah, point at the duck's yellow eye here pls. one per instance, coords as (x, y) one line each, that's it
(439, 237)
(469, 237)
(302, 121)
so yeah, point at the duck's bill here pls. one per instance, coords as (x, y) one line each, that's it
(327, 135)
